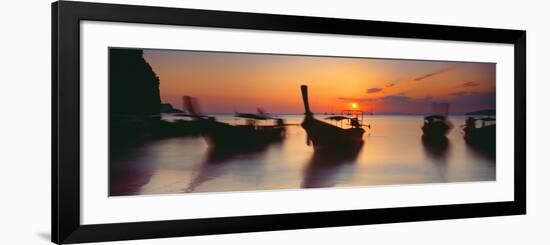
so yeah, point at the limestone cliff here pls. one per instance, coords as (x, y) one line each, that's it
(133, 85)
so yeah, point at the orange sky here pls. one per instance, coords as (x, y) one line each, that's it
(240, 82)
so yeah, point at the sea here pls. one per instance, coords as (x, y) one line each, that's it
(392, 154)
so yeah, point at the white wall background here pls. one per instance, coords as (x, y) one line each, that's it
(25, 125)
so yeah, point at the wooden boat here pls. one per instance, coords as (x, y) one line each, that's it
(250, 135)
(325, 136)
(225, 135)
(436, 127)
(481, 133)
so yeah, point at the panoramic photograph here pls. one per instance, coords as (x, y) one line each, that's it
(183, 121)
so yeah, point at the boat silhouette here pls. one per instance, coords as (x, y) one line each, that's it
(325, 136)
(435, 128)
(481, 133)
(250, 135)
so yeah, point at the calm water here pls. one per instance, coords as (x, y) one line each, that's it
(393, 153)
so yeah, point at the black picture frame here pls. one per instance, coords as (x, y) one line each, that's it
(66, 18)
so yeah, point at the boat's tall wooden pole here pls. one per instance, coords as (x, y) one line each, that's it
(305, 99)
(189, 106)
(183, 103)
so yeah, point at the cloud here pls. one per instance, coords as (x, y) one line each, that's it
(471, 101)
(446, 69)
(470, 84)
(373, 90)
(350, 99)
(395, 98)
(400, 97)
(460, 102)
(461, 93)
(390, 85)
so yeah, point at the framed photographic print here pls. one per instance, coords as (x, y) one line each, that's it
(176, 122)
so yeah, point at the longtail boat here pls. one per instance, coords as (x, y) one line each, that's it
(481, 133)
(436, 127)
(325, 136)
(250, 135)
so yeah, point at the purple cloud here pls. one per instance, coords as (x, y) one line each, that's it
(470, 84)
(446, 69)
(395, 98)
(373, 90)
(473, 101)
(461, 93)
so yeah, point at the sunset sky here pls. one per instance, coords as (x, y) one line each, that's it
(240, 82)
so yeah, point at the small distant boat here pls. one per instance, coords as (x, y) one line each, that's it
(325, 136)
(436, 127)
(261, 115)
(227, 136)
(481, 132)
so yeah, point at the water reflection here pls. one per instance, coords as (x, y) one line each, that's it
(393, 154)
(218, 161)
(127, 176)
(325, 168)
(437, 149)
(488, 154)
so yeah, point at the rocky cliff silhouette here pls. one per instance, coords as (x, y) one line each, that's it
(133, 85)
(134, 99)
